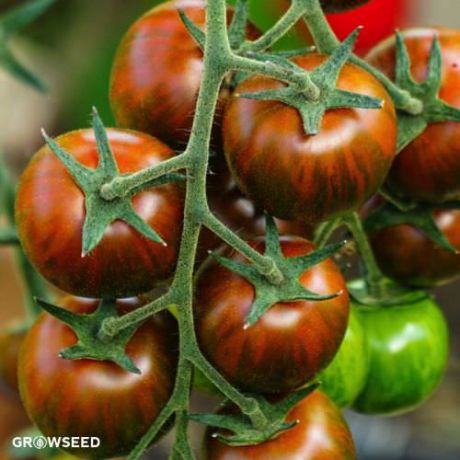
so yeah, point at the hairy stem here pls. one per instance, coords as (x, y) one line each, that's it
(373, 275)
(325, 230)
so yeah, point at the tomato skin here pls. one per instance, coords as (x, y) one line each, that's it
(336, 6)
(10, 343)
(322, 434)
(97, 398)
(344, 379)
(402, 252)
(311, 178)
(289, 344)
(50, 214)
(157, 72)
(428, 169)
(408, 351)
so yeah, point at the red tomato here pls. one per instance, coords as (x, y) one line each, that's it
(295, 176)
(157, 74)
(50, 214)
(289, 344)
(428, 169)
(321, 434)
(97, 398)
(407, 255)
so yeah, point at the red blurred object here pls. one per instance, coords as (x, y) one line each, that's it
(379, 17)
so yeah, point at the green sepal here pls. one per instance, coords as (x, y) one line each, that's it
(11, 22)
(325, 78)
(87, 327)
(421, 217)
(394, 294)
(434, 110)
(244, 433)
(100, 213)
(8, 236)
(290, 289)
(197, 34)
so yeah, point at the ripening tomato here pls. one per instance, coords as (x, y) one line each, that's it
(289, 344)
(50, 213)
(344, 379)
(408, 350)
(428, 169)
(10, 343)
(295, 176)
(157, 74)
(97, 398)
(321, 434)
(405, 254)
(335, 6)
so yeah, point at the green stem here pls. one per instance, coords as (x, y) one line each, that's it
(374, 277)
(299, 79)
(123, 186)
(295, 12)
(33, 284)
(326, 42)
(265, 265)
(8, 236)
(325, 230)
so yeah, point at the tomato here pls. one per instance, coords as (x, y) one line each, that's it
(344, 379)
(428, 169)
(10, 343)
(321, 434)
(334, 6)
(157, 74)
(97, 398)
(408, 348)
(402, 252)
(295, 176)
(289, 344)
(50, 214)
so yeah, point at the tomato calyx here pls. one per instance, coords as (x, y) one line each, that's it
(434, 110)
(325, 78)
(244, 432)
(421, 217)
(100, 212)
(90, 345)
(394, 295)
(11, 22)
(289, 289)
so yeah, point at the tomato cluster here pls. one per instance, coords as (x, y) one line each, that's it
(374, 356)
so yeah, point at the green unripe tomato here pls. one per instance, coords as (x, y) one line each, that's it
(345, 377)
(408, 350)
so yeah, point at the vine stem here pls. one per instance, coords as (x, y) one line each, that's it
(373, 275)
(33, 284)
(217, 57)
(325, 231)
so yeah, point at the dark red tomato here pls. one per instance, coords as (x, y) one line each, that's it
(407, 255)
(321, 434)
(157, 73)
(295, 176)
(50, 214)
(10, 343)
(289, 344)
(428, 169)
(335, 6)
(97, 398)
